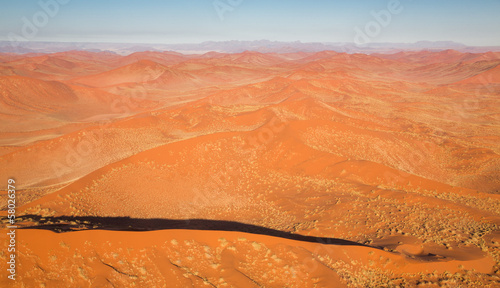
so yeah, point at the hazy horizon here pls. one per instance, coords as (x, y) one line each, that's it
(173, 22)
(254, 40)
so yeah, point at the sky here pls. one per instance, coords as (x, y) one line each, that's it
(470, 22)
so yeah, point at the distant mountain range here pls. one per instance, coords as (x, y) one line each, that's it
(263, 46)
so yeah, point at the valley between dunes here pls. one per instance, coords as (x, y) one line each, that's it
(160, 169)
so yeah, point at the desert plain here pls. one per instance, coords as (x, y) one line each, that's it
(327, 169)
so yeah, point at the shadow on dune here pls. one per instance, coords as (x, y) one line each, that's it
(69, 224)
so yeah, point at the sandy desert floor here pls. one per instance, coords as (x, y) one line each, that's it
(159, 169)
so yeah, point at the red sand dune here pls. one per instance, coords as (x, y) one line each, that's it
(165, 58)
(61, 66)
(253, 58)
(138, 72)
(490, 76)
(252, 169)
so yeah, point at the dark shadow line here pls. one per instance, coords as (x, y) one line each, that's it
(78, 223)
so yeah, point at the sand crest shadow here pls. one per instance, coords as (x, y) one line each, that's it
(70, 224)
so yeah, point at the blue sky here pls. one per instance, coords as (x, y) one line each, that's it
(182, 21)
